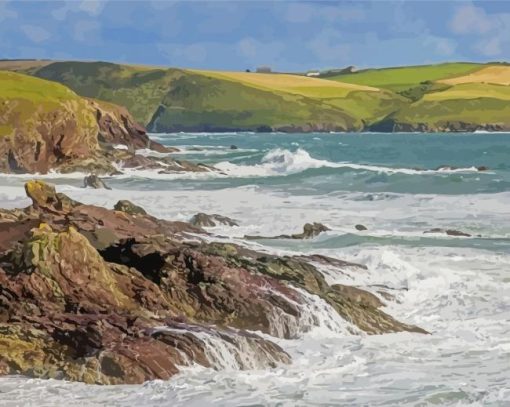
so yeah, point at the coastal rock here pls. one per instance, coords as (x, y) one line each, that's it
(205, 220)
(109, 297)
(449, 232)
(233, 147)
(360, 227)
(129, 207)
(310, 230)
(93, 181)
(63, 131)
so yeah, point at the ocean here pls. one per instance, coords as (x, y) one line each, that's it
(398, 186)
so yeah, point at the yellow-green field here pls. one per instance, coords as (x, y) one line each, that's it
(471, 91)
(18, 86)
(295, 84)
(491, 74)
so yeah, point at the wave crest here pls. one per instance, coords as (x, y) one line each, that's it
(284, 162)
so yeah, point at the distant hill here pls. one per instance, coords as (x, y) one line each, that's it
(445, 97)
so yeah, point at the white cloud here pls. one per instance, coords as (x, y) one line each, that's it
(329, 47)
(35, 33)
(492, 29)
(441, 46)
(470, 19)
(187, 54)
(86, 31)
(304, 12)
(92, 7)
(5, 12)
(490, 47)
(257, 52)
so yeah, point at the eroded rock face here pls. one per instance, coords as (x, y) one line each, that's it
(110, 296)
(205, 220)
(56, 129)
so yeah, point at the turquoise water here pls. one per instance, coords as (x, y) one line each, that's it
(457, 288)
(402, 163)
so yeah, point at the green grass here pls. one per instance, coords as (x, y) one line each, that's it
(402, 79)
(467, 91)
(18, 86)
(138, 88)
(169, 99)
(26, 103)
(175, 99)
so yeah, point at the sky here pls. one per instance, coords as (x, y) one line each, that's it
(238, 35)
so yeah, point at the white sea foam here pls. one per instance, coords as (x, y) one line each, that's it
(282, 162)
(460, 294)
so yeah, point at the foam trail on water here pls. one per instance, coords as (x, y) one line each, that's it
(283, 162)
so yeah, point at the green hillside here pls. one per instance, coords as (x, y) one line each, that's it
(179, 100)
(450, 97)
(400, 79)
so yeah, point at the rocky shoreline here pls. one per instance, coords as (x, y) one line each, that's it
(112, 296)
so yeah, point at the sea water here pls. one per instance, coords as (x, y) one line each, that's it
(398, 186)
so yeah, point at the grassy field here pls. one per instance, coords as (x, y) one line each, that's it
(499, 75)
(176, 99)
(17, 86)
(403, 78)
(170, 99)
(295, 84)
(26, 101)
(467, 91)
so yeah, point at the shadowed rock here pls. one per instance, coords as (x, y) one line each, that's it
(129, 207)
(204, 220)
(449, 232)
(110, 297)
(310, 230)
(93, 181)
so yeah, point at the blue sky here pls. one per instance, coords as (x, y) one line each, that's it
(288, 36)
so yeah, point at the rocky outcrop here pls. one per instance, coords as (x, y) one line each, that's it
(129, 207)
(449, 232)
(118, 296)
(93, 181)
(53, 128)
(205, 220)
(310, 230)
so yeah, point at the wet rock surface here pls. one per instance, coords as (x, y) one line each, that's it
(310, 230)
(129, 207)
(118, 296)
(93, 181)
(448, 232)
(205, 220)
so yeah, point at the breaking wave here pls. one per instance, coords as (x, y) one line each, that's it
(283, 162)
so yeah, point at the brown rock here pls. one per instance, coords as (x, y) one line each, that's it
(129, 207)
(204, 220)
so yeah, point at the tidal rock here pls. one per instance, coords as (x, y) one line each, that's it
(449, 232)
(360, 227)
(129, 207)
(45, 197)
(310, 230)
(233, 147)
(205, 220)
(93, 181)
(108, 297)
